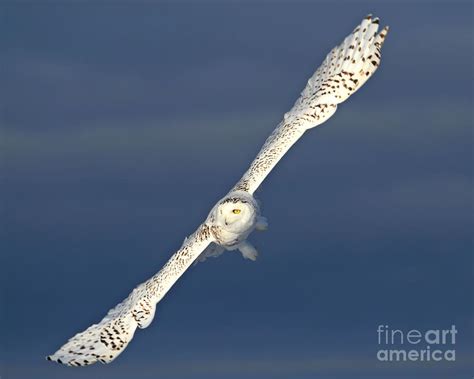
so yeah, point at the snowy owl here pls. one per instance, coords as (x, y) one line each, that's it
(345, 69)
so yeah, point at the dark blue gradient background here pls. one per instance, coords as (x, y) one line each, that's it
(123, 123)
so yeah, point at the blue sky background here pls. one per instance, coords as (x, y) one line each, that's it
(123, 123)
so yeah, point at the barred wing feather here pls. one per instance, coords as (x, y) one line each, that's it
(346, 68)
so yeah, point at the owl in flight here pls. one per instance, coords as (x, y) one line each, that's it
(344, 70)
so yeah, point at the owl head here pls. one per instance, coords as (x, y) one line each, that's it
(236, 213)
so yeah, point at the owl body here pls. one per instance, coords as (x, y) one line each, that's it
(231, 221)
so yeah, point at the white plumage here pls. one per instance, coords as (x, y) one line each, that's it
(346, 68)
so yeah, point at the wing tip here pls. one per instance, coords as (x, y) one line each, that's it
(52, 358)
(383, 34)
(74, 362)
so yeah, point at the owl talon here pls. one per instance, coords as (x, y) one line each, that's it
(248, 251)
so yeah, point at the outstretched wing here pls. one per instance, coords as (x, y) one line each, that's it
(106, 340)
(345, 69)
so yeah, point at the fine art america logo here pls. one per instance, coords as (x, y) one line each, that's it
(397, 345)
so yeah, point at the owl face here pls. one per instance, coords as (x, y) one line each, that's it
(236, 214)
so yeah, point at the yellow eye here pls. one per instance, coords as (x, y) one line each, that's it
(236, 211)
